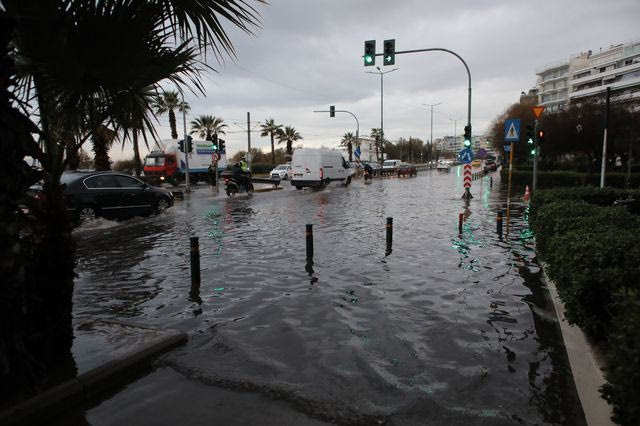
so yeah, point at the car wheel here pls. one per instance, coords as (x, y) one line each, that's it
(348, 181)
(87, 213)
(162, 204)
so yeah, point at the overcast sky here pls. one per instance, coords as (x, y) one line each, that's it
(308, 55)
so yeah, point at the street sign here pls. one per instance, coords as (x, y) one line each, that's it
(215, 157)
(467, 176)
(537, 111)
(482, 153)
(512, 129)
(465, 155)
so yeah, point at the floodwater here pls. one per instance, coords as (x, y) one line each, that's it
(447, 329)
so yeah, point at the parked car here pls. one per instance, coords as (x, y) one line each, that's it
(88, 195)
(282, 171)
(406, 169)
(318, 167)
(490, 166)
(390, 164)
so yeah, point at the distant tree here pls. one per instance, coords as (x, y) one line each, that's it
(208, 127)
(102, 140)
(125, 165)
(167, 102)
(348, 140)
(289, 135)
(270, 128)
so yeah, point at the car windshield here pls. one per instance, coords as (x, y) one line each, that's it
(154, 161)
(389, 163)
(281, 167)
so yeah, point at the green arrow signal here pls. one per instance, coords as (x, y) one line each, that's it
(387, 58)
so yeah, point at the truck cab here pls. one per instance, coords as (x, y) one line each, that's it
(161, 167)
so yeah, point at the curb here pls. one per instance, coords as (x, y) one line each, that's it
(55, 400)
(586, 365)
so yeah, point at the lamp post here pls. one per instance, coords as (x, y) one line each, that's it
(382, 73)
(432, 105)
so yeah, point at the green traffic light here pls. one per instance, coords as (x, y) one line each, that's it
(533, 152)
(369, 59)
(467, 143)
(530, 141)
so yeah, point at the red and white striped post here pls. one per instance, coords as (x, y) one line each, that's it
(467, 182)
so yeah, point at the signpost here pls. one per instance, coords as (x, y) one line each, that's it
(466, 156)
(511, 134)
(537, 111)
(214, 159)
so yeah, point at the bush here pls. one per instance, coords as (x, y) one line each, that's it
(623, 358)
(555, 179)
(261, 167)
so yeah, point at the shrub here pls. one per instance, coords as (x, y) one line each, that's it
(555, 179)
(623, 358)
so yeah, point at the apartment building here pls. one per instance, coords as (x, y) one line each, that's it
(617, 67)
(588, 75)
(554, 81)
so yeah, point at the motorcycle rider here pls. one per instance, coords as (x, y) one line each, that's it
(239, 175)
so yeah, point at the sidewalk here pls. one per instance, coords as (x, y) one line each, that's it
(106, 353)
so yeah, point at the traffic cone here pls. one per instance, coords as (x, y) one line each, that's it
(527, 194)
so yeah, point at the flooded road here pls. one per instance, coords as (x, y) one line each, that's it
(446, 329)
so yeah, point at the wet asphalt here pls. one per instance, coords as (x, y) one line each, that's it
(446, 329)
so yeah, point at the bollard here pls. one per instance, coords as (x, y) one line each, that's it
(460, 219)
(195, 262)
(309, 235)
(389, 235)
(499, 224)
(491, 182)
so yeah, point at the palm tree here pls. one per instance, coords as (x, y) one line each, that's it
(375, 134)
(102, 139)
(54, 71)
(208, 127)
(167, 102)
(270, 128)
(288, 135)
(348, 140)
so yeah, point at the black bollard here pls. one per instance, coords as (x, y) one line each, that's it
(491, 182)
(195, 262)
(389, 235)
(309, 235)
(499, 224)
(460, 219)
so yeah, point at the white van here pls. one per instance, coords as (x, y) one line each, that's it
(318, 167)
(390, 164)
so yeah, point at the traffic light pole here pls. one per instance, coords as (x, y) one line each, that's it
(534, 185)
(357, 122)
(186, 150)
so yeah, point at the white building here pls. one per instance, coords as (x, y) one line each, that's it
(617, 67)
(553, 81)
(587, 75)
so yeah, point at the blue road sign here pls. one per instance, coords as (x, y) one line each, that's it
(465, 155)
(507, 148)
(512, 130)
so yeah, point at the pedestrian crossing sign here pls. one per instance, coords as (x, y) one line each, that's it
(512, 130)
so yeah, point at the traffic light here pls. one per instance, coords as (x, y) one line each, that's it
(529, 133)
(467, 136)
(389, 57)
(540, 136)
(214, 142)
(181, 145)
(369, 53)
(189, 144)
(221, 146)
(533, 152)
(332, 111)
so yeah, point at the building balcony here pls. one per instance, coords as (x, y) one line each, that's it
(603, 75)
(622, 84)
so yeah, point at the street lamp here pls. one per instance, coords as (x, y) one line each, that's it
(382, 104)
(431, 138)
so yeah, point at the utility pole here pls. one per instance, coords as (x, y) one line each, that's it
(432, 105)
(382, 73)
(604, 142)
(186, 149)
(248, 140)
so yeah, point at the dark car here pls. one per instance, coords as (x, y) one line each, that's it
(88, 195)
(490, 166)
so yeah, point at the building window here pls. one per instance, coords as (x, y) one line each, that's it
(603, 69)
(628, 62)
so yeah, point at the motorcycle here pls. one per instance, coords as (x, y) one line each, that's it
(232, 187)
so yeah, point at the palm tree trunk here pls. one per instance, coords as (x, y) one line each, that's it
(136, 153)
(172, 124)
(101, 151)
(349, 149)
(273, 151)
(71, 154)
(289, 148)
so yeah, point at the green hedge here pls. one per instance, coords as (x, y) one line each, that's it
(623, 374)
(592, 252)
(566, 178)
